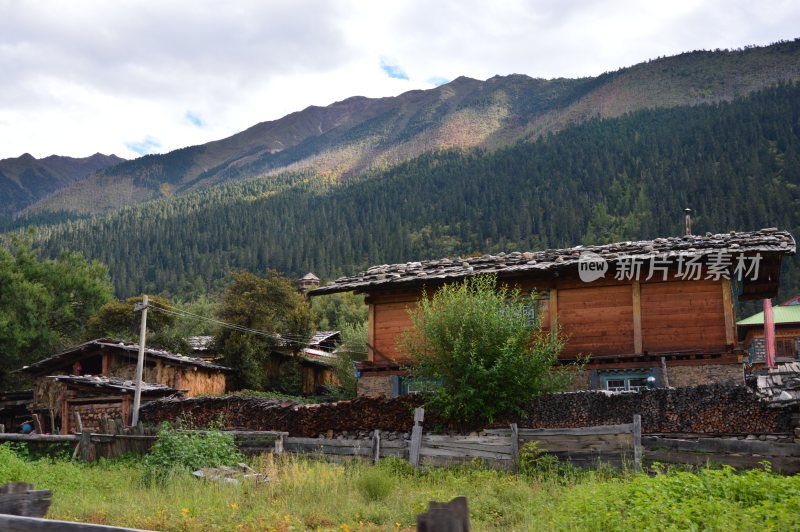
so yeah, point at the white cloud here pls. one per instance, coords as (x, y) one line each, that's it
(83, 76)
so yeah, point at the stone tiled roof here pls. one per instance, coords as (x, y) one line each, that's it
(781, 385)
(78, 352)
(114, 383)
(769, 240)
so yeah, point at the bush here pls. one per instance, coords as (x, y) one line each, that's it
(475, 339)
(13, 468)
(535, 461)
(375, 484)
(180, 450)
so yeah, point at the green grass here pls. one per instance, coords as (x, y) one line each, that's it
(306, 494)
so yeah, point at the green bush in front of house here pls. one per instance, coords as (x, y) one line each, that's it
(477, 340)
(181, 450)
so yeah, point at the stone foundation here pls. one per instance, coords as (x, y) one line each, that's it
(683, 376)
(375, 385)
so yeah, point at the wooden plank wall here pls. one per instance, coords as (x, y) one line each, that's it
(683, 315)
(596, 319)
(607, 317)
(389, 320)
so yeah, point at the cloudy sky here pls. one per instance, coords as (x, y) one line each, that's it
(138, 76)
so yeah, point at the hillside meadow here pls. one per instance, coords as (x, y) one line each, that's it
(310, 494)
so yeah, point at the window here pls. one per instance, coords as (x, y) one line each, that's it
(785, 347)
(625, 381)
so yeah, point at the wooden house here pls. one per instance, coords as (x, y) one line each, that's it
(661, 308)
(787, 334)
(315, 363)
(107, 368)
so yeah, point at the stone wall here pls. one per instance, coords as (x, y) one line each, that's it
(703, 409)
(680, 376)
(375, 386)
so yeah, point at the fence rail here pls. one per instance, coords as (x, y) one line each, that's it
(499, 448)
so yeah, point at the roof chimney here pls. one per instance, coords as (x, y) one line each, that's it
(688, 225)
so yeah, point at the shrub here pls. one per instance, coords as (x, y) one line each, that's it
(475, 339)
(180, 450)
(375, 484)
(535, 461)
(13, 468)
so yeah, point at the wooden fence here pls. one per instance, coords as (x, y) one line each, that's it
(499, 448)
(783, 457)
(614, 444)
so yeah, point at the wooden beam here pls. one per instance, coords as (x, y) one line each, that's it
(730, 321)
(554, 311)
(636, 290)
(371, 333)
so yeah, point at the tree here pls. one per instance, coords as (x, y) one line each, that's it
(44, 304)
(270, 304)
(117, 319)
(476, 342)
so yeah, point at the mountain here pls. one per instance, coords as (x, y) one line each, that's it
(25, 179)
(357, 135)
(736, 163)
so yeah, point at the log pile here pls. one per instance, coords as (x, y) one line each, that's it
(712, 409)
(253, 413)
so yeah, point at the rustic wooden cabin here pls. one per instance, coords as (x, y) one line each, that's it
(787, 334)
(315, 364)
(93, 398)
(661, 308)
(114, 359)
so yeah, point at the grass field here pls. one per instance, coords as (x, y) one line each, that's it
(307, 494)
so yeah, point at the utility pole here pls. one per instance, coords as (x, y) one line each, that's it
(137, 396)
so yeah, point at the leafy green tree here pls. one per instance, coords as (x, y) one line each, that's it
(475, 340)
(44, 304)
(117, 319)
(269, 304)
(335, 311)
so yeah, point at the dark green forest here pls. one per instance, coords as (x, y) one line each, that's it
(737, 164)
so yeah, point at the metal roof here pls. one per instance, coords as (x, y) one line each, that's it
(769, 240)
(782, 314)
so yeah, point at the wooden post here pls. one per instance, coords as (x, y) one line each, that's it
(37, 424)
(371, 332)
(279, 445)
(376, 446)
(416, 437)
(637, 442)
(78, 422)
(554, 311)
(727, 308)
(637, 318)
(137, 395)
(85, 446)
(450, 517)
(514, 447)
(664, 375)
(2, 429)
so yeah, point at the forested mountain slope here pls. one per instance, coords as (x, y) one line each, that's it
(25, 179)
(360, 134)
(736, 163)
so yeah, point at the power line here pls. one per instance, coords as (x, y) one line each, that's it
(174, 311)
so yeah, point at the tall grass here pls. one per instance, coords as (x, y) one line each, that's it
(309, 494)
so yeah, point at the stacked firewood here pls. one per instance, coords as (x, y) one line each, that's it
(253, 413)
(709, 409)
